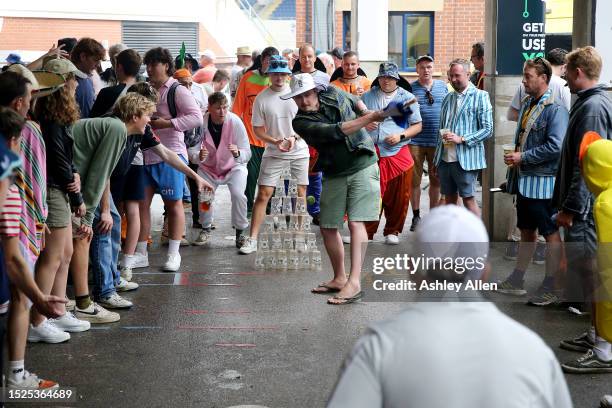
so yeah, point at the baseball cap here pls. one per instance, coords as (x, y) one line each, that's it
(425, 58)
(278, 65)
(63, 67)
(299, 84)
(452, 231)
(209, 53)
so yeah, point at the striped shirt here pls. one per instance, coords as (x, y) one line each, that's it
(430, 113)
(32, 184)
(537, 187)
(10, 213)
(473, 121)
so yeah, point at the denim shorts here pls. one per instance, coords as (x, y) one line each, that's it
(453, 179)
(165, 180)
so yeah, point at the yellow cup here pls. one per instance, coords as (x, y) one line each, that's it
(442, 133)
(508, 148)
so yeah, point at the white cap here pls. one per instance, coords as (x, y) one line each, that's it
(209, 53)
(452, 231)
(299, 84)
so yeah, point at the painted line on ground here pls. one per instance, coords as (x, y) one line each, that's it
(241, 345)
(244, 328)
(142, 327)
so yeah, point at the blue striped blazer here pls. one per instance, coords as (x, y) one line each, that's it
(473, 121)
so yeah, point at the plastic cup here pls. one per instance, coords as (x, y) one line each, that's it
(263, 243)
(260, 260)
(293, 260)
(442, 133)
(300, 206)
(205, 198)
(509, 148)
(269, 224)
(281, 259)
(277, 242)
(288, 241)
(276, 206)
(315, 262)
(287, 206)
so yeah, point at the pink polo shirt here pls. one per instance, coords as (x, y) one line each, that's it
(189, 116)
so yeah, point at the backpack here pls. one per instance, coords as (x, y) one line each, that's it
(192, 137)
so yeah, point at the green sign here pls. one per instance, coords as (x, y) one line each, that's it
(520, 34)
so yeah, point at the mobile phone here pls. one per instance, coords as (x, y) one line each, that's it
(495, 190)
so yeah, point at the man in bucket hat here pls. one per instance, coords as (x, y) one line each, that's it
(272, 118)
(328, 119)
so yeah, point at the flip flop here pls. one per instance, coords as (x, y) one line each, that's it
(326, 287)
(344, 300)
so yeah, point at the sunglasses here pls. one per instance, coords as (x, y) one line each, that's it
(278, 64)
(430, 98)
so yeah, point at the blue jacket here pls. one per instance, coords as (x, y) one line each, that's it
(542, 149)
(473, 121)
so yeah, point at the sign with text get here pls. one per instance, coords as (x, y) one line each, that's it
(520, 34)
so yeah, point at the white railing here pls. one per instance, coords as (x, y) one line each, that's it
(254, 17)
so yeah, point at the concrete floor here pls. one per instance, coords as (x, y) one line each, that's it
(220, 334)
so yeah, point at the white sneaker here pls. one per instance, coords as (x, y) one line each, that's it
(47, 333)
(347, 239)
(391, 239)
(249, 246)
(126, 273)
(69, 323)
(202, 238)
(96, 314)
(140, 260)
(70, 305)
(185, 242)
(31, 381)
(125, 286)
(173, 263)
(115, 301)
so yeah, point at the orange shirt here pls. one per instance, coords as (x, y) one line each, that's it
(204, 75)
(351, 85)
(251, 84)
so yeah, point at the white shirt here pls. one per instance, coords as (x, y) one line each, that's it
(200, 95)
(450, 151)
(450, 354)
(560, 92)
(276, 114)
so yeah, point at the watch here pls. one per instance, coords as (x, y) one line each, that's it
(462, 140)
(403, 137)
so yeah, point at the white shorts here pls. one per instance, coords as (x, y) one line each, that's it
(272, 168)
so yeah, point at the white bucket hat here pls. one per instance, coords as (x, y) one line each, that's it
(299, 84)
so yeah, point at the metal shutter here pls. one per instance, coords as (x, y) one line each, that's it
(144, 35)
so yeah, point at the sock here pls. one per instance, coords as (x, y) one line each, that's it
(548, 282)
(83, 302)
(238, 233)
(128, 261)
(141, 247)
(173, 246)
(517, 277)
(16, 370)
(603, 349)
(416, 213)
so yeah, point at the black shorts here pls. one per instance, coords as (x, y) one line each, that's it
(532, 214)
(129, 187)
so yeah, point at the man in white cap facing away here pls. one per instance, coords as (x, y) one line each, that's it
(207, 71)
(243, 61)
(328, 120)
(450, 344)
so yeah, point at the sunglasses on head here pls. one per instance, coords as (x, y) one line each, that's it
(430, 98)
(278, 64)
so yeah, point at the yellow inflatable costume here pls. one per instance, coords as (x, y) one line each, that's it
(596, 159)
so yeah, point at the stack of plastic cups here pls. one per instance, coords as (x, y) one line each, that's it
(285, 241)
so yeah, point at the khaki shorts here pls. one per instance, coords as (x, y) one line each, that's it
(420, 154)
(357, 195)
(272, 168)
(59, 208)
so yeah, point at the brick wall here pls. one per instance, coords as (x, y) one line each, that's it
(300, 23)
(457, 27)
(38, 34)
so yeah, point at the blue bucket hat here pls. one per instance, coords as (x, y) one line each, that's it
(13, 58)
(278, 65)
(388, 69)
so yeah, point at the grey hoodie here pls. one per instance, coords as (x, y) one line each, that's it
(592, 111)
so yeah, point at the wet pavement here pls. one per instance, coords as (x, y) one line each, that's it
(221, 334)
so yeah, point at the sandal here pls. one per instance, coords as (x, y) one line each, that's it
(344, 300)
(325, 288)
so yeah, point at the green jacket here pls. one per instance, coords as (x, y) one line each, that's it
(339, 154)
(98, 145)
